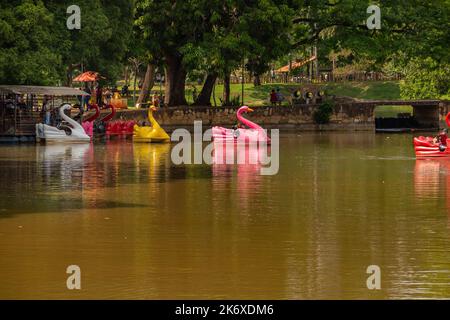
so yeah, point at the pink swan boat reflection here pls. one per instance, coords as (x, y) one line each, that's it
(243, 176)
(234, 154)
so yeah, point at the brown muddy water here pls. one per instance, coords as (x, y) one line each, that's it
(140, 227)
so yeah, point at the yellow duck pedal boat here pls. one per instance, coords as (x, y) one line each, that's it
(150, 134)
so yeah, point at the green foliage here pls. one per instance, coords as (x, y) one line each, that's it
(416, 28)
(26, 44)
(101, 43)
(425, 79)
(215, 36)
(37, 48)
(323, 114)
(198, 37)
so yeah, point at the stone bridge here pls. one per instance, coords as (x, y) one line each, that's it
(354, 115)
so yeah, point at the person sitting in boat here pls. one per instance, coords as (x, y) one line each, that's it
(441, 138)
(239, 126)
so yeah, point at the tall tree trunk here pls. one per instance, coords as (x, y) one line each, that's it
(257, 80)
(214, 94)
(332, 71)
(127, 80)
(147, 85)
(70, 69)
(226, 89)
(134, 87)
(175, 81)
(316, 64)
(204, 98)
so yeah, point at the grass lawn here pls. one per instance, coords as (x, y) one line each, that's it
(391, 111)
(257, 96)
(370, 90)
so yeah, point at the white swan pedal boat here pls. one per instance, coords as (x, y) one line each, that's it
(71, 131)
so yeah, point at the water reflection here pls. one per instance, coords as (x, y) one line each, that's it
(74, 152)
(64, 162)
(432, 180)
(141, 227)
(152, 160)
(427, 177)
(240, 166)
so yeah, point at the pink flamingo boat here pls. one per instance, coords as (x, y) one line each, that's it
(426, 147)
(118, 127)
(88, 124)
(254, 133)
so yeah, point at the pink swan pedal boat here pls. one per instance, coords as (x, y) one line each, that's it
(254, 133)
(88, 124)
(426, 147)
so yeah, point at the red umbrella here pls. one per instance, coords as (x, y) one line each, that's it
(88, 76)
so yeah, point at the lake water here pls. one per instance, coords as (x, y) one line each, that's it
(140, 227)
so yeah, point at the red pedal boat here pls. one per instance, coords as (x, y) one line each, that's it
(426, 147)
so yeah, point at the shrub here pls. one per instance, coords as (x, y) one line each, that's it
(234, 101)
(323, 113)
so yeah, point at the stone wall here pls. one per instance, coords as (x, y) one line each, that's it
(345, 117)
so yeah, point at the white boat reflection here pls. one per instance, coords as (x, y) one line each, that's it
(75, 152)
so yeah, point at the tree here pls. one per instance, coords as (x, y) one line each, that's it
(26, 44)
(78, 49)
(257, 32)
(411, 29)
(147, 84)
(136, 63)
(37, 47)
(176, 24)
(425, 79)
(216, 34)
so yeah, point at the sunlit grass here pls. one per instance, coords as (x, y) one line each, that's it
(259, 95)
(391, 111)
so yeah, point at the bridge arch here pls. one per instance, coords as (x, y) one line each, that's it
(426, 114)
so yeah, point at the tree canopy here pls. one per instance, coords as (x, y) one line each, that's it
(212, 38)
(37, 47)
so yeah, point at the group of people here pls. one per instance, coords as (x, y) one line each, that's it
(102, 95)
(276, 97)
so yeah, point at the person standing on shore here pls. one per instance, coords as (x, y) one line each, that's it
(99, 96)
(46, 110)
(108, 96)
(155, 100)
(279, 96)
(85, 100)
(124, 92)
(273, 98)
